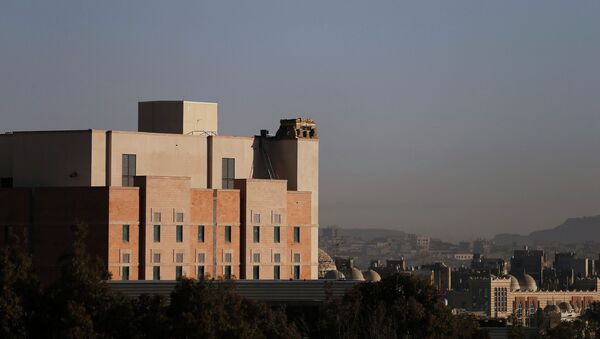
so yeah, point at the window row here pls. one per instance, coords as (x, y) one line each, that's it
(276, 272)
(275, 257)
(200, 272)
(226, 236)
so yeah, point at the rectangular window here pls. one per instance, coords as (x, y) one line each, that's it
(156, 216)
(126, 258)
(200, 233)
(296, 272)
(156, 258)
(277, 219)
(227, 272)
(179, 217)
(125, 273)
(228, 172)
(277, 257)
(256, 218)
(227, 257)
(201, 258)
(179, 258)
(297, 257)
(277, 234)
(296, 234)
(256, 257)
(255, 272)
(128, 167)
(256, 234)
(126, 233)
(179, 233)
(228, 233)
(156, 273)
(201, 272)
(276, 272)
(178, 272)
(156, 233)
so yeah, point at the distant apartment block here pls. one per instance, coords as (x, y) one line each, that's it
(173, 199)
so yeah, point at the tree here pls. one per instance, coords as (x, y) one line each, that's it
(19, 290)
(399, 306)
(205, 309)
(80, 304)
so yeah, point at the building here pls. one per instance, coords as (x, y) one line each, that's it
(495, 266)
(528, 261)
(520, 299)
(171, 199)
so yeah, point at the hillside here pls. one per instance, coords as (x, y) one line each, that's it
(573, 230)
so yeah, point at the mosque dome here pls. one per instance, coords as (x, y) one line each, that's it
(527, 283)
(334, 275)
(357, 274)
(551, 308)
(565, 307)
(371, 275)
(326, 263)
(514, 283)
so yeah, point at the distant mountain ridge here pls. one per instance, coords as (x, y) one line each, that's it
(573, 230)
(368, 233)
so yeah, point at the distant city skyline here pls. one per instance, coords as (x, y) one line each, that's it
(456, 120)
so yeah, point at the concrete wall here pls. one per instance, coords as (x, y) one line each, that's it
(239, 148)
(158, 155)
(178, 117)
(61, 158)
(160, 116)
(6, 155)
(98, 149)
(200, 118)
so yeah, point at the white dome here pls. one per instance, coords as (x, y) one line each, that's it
(357, 274)
(514, 283)
(371, 275)
(527, 283)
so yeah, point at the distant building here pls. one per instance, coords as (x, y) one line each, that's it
(509, 296)
(495, 266)
(528, 261)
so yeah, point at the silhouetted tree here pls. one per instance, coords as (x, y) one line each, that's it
(19, 290)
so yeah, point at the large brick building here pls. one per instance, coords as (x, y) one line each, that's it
(174, 198)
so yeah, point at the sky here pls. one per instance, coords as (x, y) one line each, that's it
(454, 119)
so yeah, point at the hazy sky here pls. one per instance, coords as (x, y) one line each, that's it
(456, 119)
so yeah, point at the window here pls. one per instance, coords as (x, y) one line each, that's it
(227, 272)
(256, 257)
(227, 257)
(277, 219)
(125, 273)
(126, 233)
(156, 233)
(228, 233)
(256, 234)
(178, 272)
(179, 257)
(201, 272)
(228, 172)
(126, 258)
(156, 258)
(200, 233)
(156, 273)
(156, 216)
(296, 234)
(256, 218)
(201, 258)
(276, 234)
(297, 257)
(276, 272)
(296, 272)
(128, 167)
(179, 233)
(179, 217)
(277, 257)
(255, 272)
